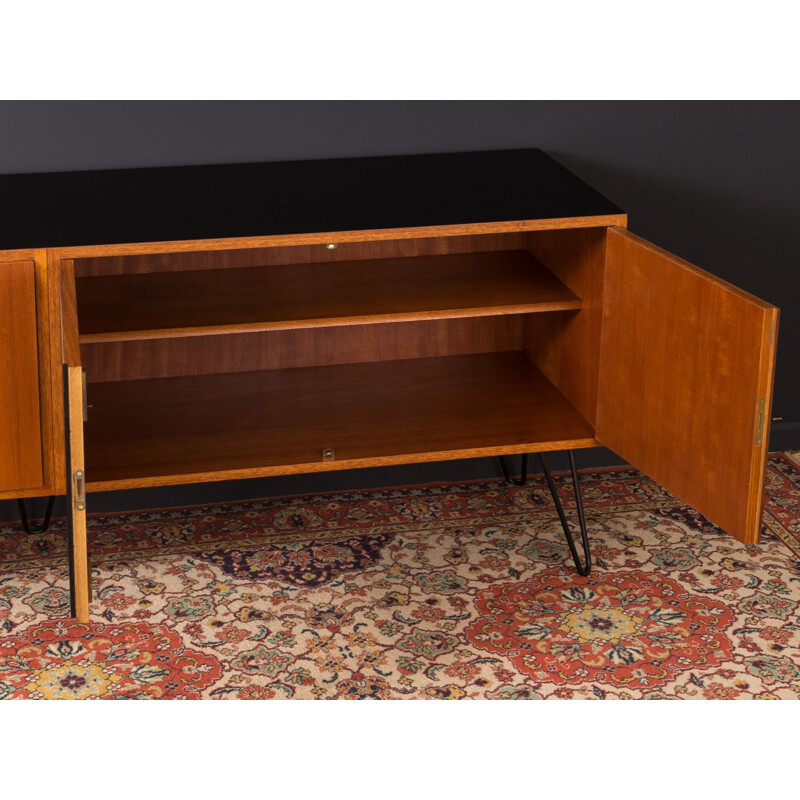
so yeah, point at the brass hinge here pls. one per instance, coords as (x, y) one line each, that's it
(79, 489)
(762, 402)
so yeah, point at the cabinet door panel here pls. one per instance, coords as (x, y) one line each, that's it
(685, 391)
(80, 573)
(20, 422)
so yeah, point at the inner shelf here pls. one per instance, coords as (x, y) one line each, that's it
(248, 424)
(198, 302)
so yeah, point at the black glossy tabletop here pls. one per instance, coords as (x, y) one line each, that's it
(67, 209)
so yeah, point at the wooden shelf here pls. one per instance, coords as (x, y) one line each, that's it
(249, 424)
(171, 304)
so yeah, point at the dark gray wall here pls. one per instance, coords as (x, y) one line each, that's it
(714, 182)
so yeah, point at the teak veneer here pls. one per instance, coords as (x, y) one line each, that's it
(192, 324)
(20, 435)
(158, 305)
(276, 422)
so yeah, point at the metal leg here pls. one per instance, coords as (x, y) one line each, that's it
(23, 516)
(583, 568)
(523, 479)
(586, 567)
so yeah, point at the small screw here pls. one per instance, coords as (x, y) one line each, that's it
(331, 246)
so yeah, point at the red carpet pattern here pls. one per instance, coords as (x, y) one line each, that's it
(133, 660)
(445, 591)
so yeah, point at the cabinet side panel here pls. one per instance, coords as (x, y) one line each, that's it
(686, 381)
(70, 347)
(54, 434)
(566, 346)
(20, 421)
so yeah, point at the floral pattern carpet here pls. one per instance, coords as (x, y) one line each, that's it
(441, 591)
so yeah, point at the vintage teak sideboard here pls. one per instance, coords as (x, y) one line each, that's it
(174, 325)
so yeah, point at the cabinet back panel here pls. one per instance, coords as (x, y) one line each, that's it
(566, 346)
(298, 254)
(310, 347)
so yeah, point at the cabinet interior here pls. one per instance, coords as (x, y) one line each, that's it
(256, 361)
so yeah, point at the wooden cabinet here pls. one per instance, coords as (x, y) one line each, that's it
(268, 319)
(31, 449)
(20, 422)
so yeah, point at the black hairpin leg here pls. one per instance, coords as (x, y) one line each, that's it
(586, 567)
(23, 516)
(507, 475)
(583, 568)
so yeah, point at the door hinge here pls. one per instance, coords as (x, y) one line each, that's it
(762, 402)
(79, 489)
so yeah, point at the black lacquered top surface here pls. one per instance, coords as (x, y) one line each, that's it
(158, 204)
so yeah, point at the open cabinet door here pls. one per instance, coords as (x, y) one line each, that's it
(685, 390)
(79, 572)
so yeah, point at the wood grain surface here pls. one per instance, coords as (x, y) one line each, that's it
(126, 307)
(295, 254)
(20, 418)
(80, 573)
(70, 342)
(48, 343)
(339, 237)
(566, 347)
(182, 430)
(685, 358)
(303, 347)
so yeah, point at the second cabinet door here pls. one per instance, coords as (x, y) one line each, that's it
(686, 370)
(20, 423)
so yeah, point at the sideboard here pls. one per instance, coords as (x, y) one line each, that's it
(187, 324)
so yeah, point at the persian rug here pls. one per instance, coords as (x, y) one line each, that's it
(439, 591)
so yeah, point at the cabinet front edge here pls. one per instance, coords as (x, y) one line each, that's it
(335, 237)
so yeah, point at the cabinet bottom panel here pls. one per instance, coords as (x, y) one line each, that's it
(243, 425)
